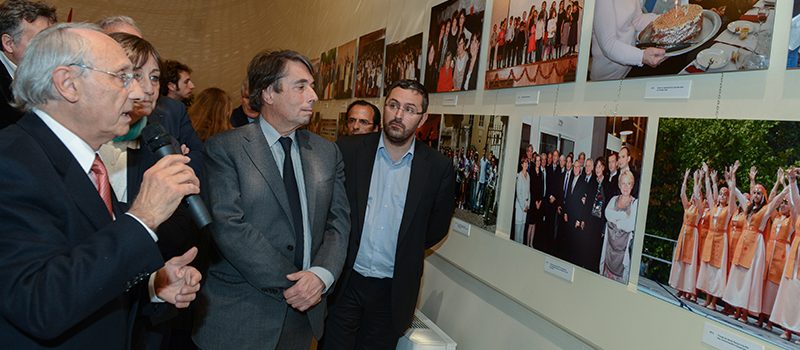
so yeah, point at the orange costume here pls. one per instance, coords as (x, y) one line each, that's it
(786, 311)
(777, 249)
(702, 230)
(714, 254)
(746, 280)
(735, 231)
(683, 274)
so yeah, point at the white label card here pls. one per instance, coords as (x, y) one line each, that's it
(680, 89)
(559, 268)
(724, 340)
(450, 100)
(527, 98)
(461, 227)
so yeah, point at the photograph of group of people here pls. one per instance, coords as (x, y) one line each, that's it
(325, 82)
(476, 145)
(633, 38)
(454, 45)
(793, 58)
(720, 232)
(369, 71)
(533, 42)
(404, 60)
(576, 190)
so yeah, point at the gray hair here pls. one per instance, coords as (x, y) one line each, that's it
(111, 21)
(56, 46)
(13, 12)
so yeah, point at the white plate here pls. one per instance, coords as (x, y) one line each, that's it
(711, 25)
(716, 57)
(736, 26)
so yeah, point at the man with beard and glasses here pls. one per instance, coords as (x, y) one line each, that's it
(401, 197)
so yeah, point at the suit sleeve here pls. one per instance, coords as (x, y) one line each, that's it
(332, 252)
(443, 207)
(52, 279)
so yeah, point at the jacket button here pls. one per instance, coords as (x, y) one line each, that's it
(290, 247)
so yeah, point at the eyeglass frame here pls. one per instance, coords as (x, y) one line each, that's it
(125, 77)
(394, 106)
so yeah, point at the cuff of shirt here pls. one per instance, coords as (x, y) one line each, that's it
(152, 234)
(323, 274)
(151, 288)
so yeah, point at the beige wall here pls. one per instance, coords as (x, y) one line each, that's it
(217, 39)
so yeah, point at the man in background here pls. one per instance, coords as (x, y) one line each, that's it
(243, 114)
(176, 81)
(363, 118)
(120, 24)
(20, 21)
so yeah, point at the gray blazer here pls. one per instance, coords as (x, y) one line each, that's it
(241, 305)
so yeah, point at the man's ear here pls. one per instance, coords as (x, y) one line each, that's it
(8, 43)
(268, 95)
(172, 87)
(422, 121)
(66, 83)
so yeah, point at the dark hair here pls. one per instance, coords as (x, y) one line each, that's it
(171, 73)
(376, 112)
(267, 68)
(13, 12)
(137, 49)
(408, 84)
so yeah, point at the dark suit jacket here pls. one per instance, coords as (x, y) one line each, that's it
(65, 265)
(241, 305)
(426, 218)
(238, 118)
(8, 114)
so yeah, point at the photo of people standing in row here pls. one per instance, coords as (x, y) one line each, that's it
(454, 45)
(369, 72)
(576, 201)
(721, 225)
(533, 42)
(404, 60)
(475, 144)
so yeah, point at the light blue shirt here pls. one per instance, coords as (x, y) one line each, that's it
(273, 136)
(385, 205)
(484, 166)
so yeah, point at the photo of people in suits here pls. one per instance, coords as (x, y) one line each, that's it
(576, 190)
(454, 44)
(345, 70)
(403, 60)
(720, 236)
(369, 72)
(476, 145)
(533, 42)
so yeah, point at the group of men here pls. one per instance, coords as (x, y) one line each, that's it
(297, 221)
(573, 197)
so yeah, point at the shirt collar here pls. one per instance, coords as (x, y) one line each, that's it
(81, 150)
(408, 154)
(10, 66)
(271, 134)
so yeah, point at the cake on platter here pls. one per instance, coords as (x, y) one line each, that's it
(677, 25)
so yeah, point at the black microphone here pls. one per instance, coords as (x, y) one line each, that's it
(160, 142)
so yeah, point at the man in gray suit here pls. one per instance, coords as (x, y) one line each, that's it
(281, 218)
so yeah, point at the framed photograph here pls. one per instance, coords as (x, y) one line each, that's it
(345, 70)
(326, 80)
(533, 42)
(403, 60)
(369, 74)
(454, 45)
(634, 38)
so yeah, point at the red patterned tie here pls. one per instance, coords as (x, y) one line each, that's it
(101, 179)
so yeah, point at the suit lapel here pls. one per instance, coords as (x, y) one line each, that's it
(365, 161)
(77, 182)
(416, 184)
(257, 149)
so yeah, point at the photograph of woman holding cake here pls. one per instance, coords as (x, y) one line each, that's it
(722, 223)
(533, 42)
(454, 41)
(632, 38)
(576, 194)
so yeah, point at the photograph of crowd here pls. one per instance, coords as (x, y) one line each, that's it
(476, 144)
(345, 70)
(369, 73)
(326, 75)
(577, 189)
(454, 45)
(403, 60)
(720, 235)
(793, 60)
(632, 38)
(533, 42)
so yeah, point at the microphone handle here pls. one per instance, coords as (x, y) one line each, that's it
(197, 209)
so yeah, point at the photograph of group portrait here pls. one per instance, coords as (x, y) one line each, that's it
(369, 66)
(533, 42)
(403, 60)
(577, 189)
(476, 146)
(640, 38)
(454, 45)
(720, 236)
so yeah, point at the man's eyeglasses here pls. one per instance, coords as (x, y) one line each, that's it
(395, 106)
(125, 77)
(362, 122)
